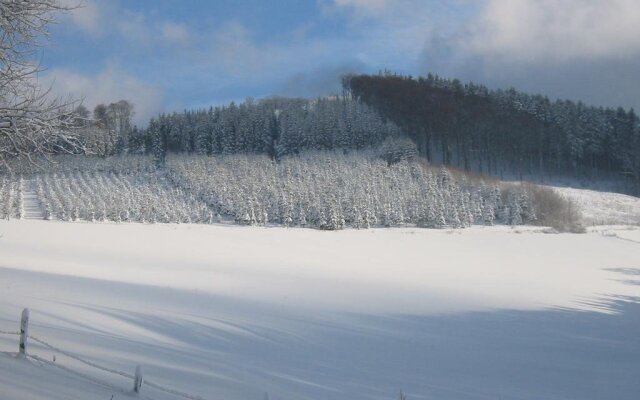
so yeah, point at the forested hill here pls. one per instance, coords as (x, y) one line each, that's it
(505, 132)
(276, 127)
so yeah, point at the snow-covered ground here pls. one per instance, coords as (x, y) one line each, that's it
(228, 312)
(604, 208)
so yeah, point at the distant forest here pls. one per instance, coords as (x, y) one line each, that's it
(276, 127)
(505, 132)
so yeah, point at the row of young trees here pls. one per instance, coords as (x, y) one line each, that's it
(65, 163)
(325, 190)
(333, 190)
(504, 132)
(100, 196)
(275, 127)
(10, 198)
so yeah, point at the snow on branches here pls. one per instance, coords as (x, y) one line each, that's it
(333, 190)
(30, 121)
(322, 190)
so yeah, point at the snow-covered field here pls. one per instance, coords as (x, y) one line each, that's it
(604, 208)
(228, 312)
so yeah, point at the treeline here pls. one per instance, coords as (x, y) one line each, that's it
(129, 196)
(505, 132)
(275, 127)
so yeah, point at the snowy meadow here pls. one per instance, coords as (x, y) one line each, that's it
(233, 312)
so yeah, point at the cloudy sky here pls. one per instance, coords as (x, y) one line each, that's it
(170, 55)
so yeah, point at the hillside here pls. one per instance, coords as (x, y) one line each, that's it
(324, 190)
(602, 208)
(506, 133)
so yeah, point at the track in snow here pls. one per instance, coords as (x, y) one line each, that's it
(30, 201)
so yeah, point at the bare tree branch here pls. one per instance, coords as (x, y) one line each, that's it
(31, 121)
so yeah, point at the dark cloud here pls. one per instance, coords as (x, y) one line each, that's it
(318, 82)
(568, 50)
(602, 82)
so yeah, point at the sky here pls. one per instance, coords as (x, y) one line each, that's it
(170, 55)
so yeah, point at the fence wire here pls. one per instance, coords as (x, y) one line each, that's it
(103, 368)
(86, 362)
(171, 391)
(49, 346)
(84, 376)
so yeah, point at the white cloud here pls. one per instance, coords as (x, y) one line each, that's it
(235, 53)
(109, 85)
(520, 31)
(88, 15)
(236, 50)
(556, 30)
(175, 33)
(394, 33)
(87, 18)
(132, 28)
(366, 7)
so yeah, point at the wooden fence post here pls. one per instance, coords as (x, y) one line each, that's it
(24, 332)
(137, 380)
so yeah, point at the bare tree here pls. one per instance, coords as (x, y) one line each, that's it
(111, 128)
(100, 115)
(82, 117)
(119, 121)
(31, 122)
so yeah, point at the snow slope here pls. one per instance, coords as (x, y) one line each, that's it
(32, 208)
(604, 208)
(233, 312)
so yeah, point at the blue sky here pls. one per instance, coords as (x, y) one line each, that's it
(170, 55)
